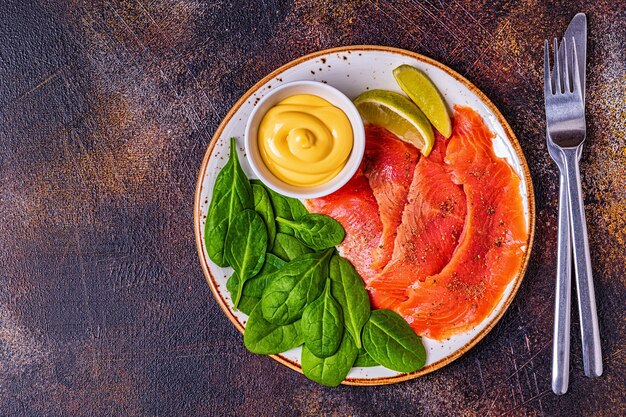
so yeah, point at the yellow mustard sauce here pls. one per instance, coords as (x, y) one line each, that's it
(304, 140)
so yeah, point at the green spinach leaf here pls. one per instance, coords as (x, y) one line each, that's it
(364, 360)
(261, 336)
(391, 342)
(232, 193)
(317, 231)
(255, 286)
(246, 243)
(246, 302)
(288, 248)
(285, 207)
(322, 324)
(348, 288)
(332, 370)
(232, 284)
(294, 286)
(263, 206)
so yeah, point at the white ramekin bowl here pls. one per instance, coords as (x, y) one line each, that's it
(334, 97)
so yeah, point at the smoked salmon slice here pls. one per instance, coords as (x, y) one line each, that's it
(492, 244)
(430, 228)
(389, 166)
(355, 207)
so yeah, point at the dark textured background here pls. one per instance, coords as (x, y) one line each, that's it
(106, 109)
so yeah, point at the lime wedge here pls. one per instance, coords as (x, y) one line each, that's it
(398, 114)
(424, 93)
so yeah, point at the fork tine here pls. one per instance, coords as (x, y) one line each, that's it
(556, 71)
(562, 61)
(566, 64)
(547, 82)
(577, 88)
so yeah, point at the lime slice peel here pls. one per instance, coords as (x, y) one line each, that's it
(398, 114)
(423, 92)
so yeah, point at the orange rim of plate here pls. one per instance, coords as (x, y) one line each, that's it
(510, 136)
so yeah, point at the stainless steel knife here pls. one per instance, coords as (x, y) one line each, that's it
(576, 34)
(577, 29)
(592, 356)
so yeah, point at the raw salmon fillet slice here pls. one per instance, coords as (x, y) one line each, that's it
(431, 225)
(492, 244)
(355, 207)
(389, 166)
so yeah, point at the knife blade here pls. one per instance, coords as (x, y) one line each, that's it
(577, 29)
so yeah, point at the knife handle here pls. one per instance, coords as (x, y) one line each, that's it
(563, 299)
(590, 332)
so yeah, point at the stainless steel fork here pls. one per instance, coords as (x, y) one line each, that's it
(565, 121)
(562, 302)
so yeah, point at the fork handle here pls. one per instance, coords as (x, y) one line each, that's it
(563, 300)
(590, 332)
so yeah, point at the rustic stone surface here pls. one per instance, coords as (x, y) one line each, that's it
(106, 109)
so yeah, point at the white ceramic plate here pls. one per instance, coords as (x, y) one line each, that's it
(352, 70)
